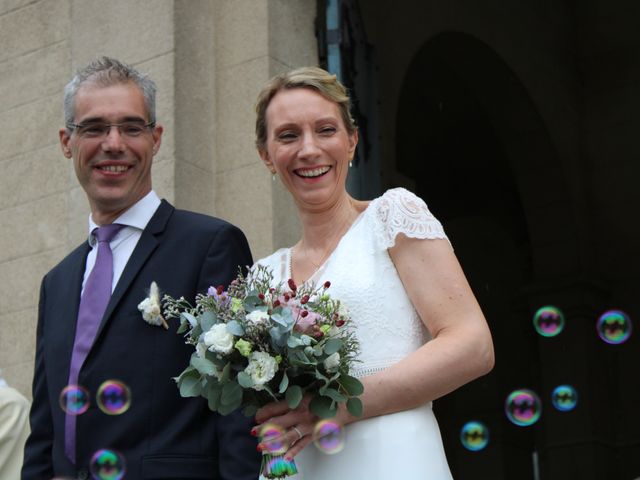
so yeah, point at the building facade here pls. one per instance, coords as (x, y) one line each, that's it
(515, 121)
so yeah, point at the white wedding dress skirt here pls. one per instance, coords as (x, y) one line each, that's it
(405, 445)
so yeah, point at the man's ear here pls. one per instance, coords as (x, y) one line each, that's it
(157, 138)
(65, 137)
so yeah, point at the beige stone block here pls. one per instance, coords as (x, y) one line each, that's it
(20, 278)
(8, 6)
(33, 27)
(243, 197)
(286, 223)
(292, 37)
(129, 31)
(19, 376)
(40, 223)
(161, 70)
(163, 179)
(77, 219)
(30, 127)
(237, 89)
(18, 342)
(35, 75)
(194, 188)
(241, 31)
(195, 80)
(260, 207)
(30, 176)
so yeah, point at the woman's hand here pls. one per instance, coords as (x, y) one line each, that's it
(297, 424)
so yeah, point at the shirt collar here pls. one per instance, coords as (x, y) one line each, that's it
(137, 216)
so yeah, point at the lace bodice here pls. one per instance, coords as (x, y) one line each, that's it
(365, 279)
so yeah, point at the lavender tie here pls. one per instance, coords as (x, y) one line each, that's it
(95, 297)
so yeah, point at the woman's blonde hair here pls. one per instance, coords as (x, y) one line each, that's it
(314, 78)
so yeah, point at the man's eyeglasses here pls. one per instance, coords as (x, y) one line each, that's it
(101, 130)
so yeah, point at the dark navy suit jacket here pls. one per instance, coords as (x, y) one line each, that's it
(161, 435)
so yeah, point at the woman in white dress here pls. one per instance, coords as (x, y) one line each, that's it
(421, 331)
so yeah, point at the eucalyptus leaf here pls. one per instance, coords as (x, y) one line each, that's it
(187, 372)
(227, 409)
(245, 380)
(293, 396)
(234, 328)
(334, 395)
(354, 406)
(224, 376)
(189, 318)
(207, 320)
(306, 339)
(293, 342)
(182, 328)
(323, 407)
(251, 301)
(284, 383)
(196, 332)
(190, 387)
(204, 366)
(332, 346)
(213, 395)
(352, 385)
(231, 394)
(215, 359)
(279, 319)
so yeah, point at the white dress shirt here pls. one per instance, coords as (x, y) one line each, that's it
(135, 220)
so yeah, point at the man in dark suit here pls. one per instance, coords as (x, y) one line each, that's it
(112, 137)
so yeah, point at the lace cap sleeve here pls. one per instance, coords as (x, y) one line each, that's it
(400, 211)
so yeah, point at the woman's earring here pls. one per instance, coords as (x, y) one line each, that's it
(273, 176)
(350, 163)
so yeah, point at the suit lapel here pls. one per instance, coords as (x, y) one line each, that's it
(148, 242)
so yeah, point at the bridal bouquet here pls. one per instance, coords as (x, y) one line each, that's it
(256, 343)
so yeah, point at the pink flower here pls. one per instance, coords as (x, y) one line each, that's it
(305, 320)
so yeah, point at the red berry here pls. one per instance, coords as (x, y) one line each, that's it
(292, 285)
(304, 313)
(339, 323)
(219, 289)
(286, 297)
(276, 303)
(261, 296)
(327, 284)
(304, 299)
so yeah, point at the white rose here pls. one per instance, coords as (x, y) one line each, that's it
(332, 362)
(262, 367)
(218, 339)
(258, 316)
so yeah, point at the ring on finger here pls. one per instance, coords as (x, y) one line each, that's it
(298, 432)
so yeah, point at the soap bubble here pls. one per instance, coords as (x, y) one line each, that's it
(523, 407)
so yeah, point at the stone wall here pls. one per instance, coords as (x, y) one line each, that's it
(209, 59)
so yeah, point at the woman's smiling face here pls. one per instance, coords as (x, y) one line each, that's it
(308, 146)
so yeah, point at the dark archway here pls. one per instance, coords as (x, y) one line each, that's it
(466, 132)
